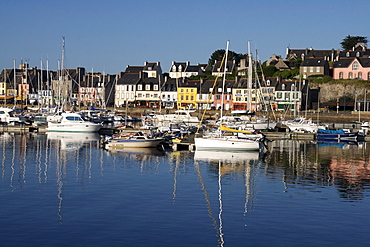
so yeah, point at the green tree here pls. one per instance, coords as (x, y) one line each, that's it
(269, 70)
(350, 41)
(219, 54)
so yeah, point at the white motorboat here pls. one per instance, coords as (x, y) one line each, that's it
(301, 124)
(7, 116)
(73, 122)
(133, 141)
(179, 116)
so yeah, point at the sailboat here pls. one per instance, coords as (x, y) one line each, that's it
(231, 141)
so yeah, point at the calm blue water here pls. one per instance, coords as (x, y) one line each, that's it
(63, 190)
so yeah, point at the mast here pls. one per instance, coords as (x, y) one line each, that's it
(249, 104)
(15, 85)
(224, 78)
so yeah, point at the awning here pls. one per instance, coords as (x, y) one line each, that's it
(21, 97)
(6, 97)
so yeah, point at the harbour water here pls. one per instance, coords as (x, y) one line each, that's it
(65, 190)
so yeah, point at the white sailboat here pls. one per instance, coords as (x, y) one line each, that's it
(220, 141)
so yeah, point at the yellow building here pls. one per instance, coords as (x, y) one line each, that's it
(187, 95)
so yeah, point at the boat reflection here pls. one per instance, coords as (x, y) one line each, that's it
(136, 151)
(226, 156)
(69, 141)
(226, 164)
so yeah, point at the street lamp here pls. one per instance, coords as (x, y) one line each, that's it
(344, 107)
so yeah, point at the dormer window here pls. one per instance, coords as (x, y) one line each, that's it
(174, 68)
(355, 66)
(283, 86)
(347, 54)
(268, 82)
(357, 54)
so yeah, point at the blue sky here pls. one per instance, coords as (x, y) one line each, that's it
(109, 35)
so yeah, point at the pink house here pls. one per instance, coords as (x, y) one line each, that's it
(352, 68)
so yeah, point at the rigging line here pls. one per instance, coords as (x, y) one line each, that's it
(211, 93)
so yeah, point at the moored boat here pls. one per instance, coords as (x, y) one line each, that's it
(340, 134)
(73, 122)
(133, 141)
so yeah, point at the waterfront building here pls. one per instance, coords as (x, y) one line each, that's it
(289, 95)
(205, 99)
(149, 85)
(168, 92)
(267, 91)
(223, 95)
(187, 92)
(125, 88)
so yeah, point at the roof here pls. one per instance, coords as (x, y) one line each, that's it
(317, 62)
(290, 86)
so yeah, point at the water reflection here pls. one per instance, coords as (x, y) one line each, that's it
(69, 141)
(340, 164)
(228, 164)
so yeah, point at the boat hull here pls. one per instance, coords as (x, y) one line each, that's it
(74, 127)
(335, 136)
(225, 143)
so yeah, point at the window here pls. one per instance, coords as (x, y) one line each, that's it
(304, 69)
(368, 76)
(219, 90)
(311, 69)
(218, 97)
(139, 87)
(347, 54)
(340, 75)
(350, 75)
(192, 97)
(147, 87)
(279, 95)
(357, 54)
(182, 90)
(359, 75)
(355, 66)
(182, 97)
(268, 82)
(287, 96)
(283, 86)
(317, 69)
(155, 87)
(238, 91)
(187, 97)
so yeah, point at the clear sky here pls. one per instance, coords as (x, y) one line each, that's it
(108, 35)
